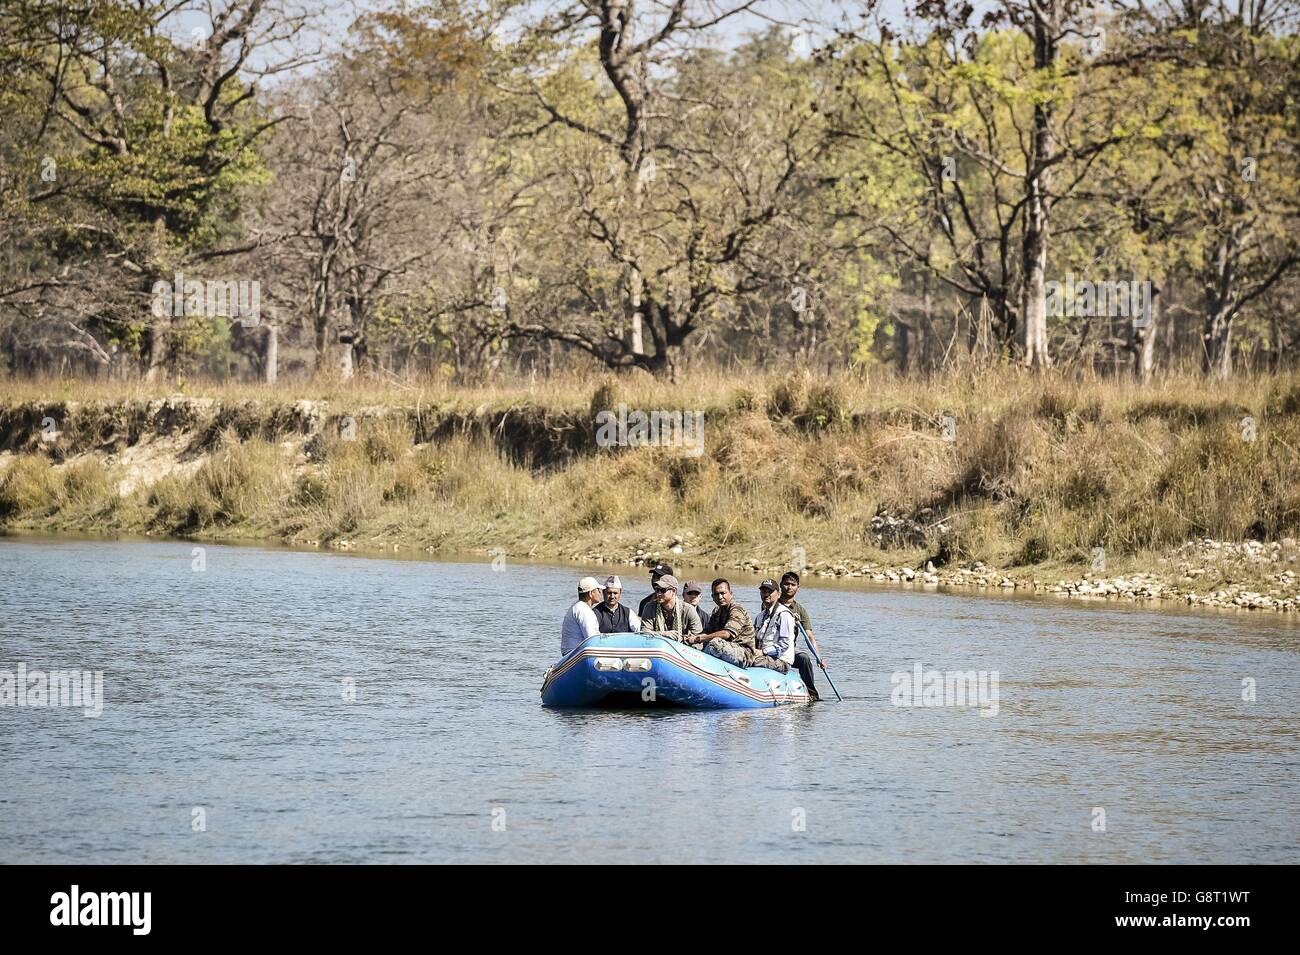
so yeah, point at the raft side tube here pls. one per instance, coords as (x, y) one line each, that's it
(622, 668)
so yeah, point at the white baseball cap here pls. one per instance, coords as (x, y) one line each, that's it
(587, 584)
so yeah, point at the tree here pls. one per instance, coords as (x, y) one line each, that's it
(671, 185)
(1240, 164)
(377, 174)
(989, 117)
(150, 141)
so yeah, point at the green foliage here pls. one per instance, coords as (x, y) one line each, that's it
(882, 172)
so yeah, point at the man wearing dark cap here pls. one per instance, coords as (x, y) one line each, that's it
(802, 661)
(646, 609)
(774, 631)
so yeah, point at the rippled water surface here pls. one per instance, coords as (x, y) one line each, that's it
(224, 691)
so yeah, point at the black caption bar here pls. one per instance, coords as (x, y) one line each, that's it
(138, 905)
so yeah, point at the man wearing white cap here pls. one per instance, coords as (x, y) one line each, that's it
(613, 617)
(580, 622)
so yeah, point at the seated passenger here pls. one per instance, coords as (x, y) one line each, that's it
(673, 618)
(729, 634)
(580, 622)
(613, 617)
(646, 608)
(774, 631)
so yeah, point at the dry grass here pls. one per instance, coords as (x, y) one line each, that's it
(990, 390)
(80, 493)
(241, 485)
(1041, 469)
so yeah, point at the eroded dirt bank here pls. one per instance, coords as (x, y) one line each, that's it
(1057, 492)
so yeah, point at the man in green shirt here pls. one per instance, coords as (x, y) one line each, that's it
(646, 608)
(802, 661)
(673, 618)
(728, 633)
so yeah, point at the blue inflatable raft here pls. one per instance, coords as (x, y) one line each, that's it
(614, 669)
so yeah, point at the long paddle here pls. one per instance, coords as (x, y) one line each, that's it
(816, 657)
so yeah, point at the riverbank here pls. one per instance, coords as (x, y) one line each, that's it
(1179, 491)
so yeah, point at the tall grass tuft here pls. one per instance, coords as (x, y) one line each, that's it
(241, 483)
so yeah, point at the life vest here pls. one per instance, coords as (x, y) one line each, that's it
(768, 625)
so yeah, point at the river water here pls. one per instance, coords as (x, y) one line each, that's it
(275, 705)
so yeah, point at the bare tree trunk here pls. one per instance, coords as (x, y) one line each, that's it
(1033, 338)
(1175, 332)
(345, 360)
(1033, 342)
(1148, 359)
(627, 73)
(927, 326)
(320, 304)
(320, 339)
(635, 287)
(156, 359)
(1142, 341)
(635, 280)
(271, 356)
(1216, 356)
(1216, 350)
(903, 336)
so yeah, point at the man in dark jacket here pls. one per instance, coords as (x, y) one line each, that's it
(612, 616)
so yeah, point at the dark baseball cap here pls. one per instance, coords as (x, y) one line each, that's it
(768, 584)
(692, 587)
(660, 570)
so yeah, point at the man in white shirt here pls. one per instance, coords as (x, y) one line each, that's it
(580, 622)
